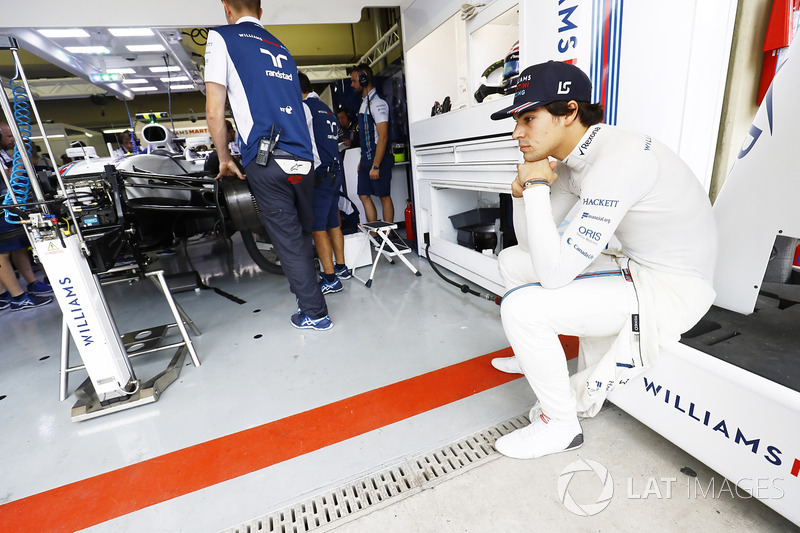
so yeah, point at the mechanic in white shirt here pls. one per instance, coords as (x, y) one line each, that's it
(375, 165)
(627, 185)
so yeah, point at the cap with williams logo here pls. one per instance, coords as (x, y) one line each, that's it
(548, 82)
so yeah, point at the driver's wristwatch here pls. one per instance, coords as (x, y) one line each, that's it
(536, 181)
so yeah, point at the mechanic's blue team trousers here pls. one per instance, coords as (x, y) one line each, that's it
(285, 201)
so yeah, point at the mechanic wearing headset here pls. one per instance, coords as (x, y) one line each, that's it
(621, 183)
(375, 167)
(249, 66)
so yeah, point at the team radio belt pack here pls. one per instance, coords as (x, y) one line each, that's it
(266, 146)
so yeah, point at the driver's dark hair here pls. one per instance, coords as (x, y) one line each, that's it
(588, 114)
(363, 68)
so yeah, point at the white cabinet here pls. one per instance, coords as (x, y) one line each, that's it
(458, 177)
(461, 160)
(641, 72)
(449, 61)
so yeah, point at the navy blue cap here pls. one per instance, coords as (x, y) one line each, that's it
(548, 82)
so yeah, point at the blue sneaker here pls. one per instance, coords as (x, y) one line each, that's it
(39, 288)
(328, 287)
(5, 300)
(302, 321)
(29, 301)
(343, 272)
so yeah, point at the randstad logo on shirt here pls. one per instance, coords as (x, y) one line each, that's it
(279, 74)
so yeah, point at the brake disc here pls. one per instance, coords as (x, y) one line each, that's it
(242, 206)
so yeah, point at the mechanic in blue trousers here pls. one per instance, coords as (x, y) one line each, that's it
(14, 250)
(375, 166)
(328, 179)
(252, 69)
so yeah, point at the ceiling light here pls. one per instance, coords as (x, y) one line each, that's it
(134, 81)
(164, 69)
(145, 47)
(105, 77)
(144, 89)
(125, 70)
(87, 50)
(183, 86)
(176, 78)
(130, 32)
(74, 32)
(118, 130)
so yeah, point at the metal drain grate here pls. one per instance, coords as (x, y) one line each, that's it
(391, 484)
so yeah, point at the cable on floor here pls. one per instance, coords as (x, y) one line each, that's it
(466, 289)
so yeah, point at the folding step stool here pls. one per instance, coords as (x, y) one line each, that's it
(383, 230)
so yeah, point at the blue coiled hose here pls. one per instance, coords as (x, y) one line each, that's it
(20, 184)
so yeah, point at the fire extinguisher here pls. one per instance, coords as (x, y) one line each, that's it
(409, 212)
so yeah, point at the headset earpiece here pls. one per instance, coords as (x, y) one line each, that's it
(363, 78)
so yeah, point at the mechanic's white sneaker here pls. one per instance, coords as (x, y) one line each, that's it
(543, 436)
(510, 365)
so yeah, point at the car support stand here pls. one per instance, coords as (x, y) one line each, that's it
(59, 245)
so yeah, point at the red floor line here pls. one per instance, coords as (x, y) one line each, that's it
(106, 496)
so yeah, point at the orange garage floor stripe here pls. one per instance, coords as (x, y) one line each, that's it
(86, 503)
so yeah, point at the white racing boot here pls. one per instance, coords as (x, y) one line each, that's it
(543, 436)
(509, 365)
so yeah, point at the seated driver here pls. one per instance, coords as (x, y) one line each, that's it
(625, 305)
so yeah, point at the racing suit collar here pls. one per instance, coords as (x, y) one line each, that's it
(249, 19)
(585, 150)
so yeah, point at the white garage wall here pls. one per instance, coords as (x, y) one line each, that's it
(674, 63)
